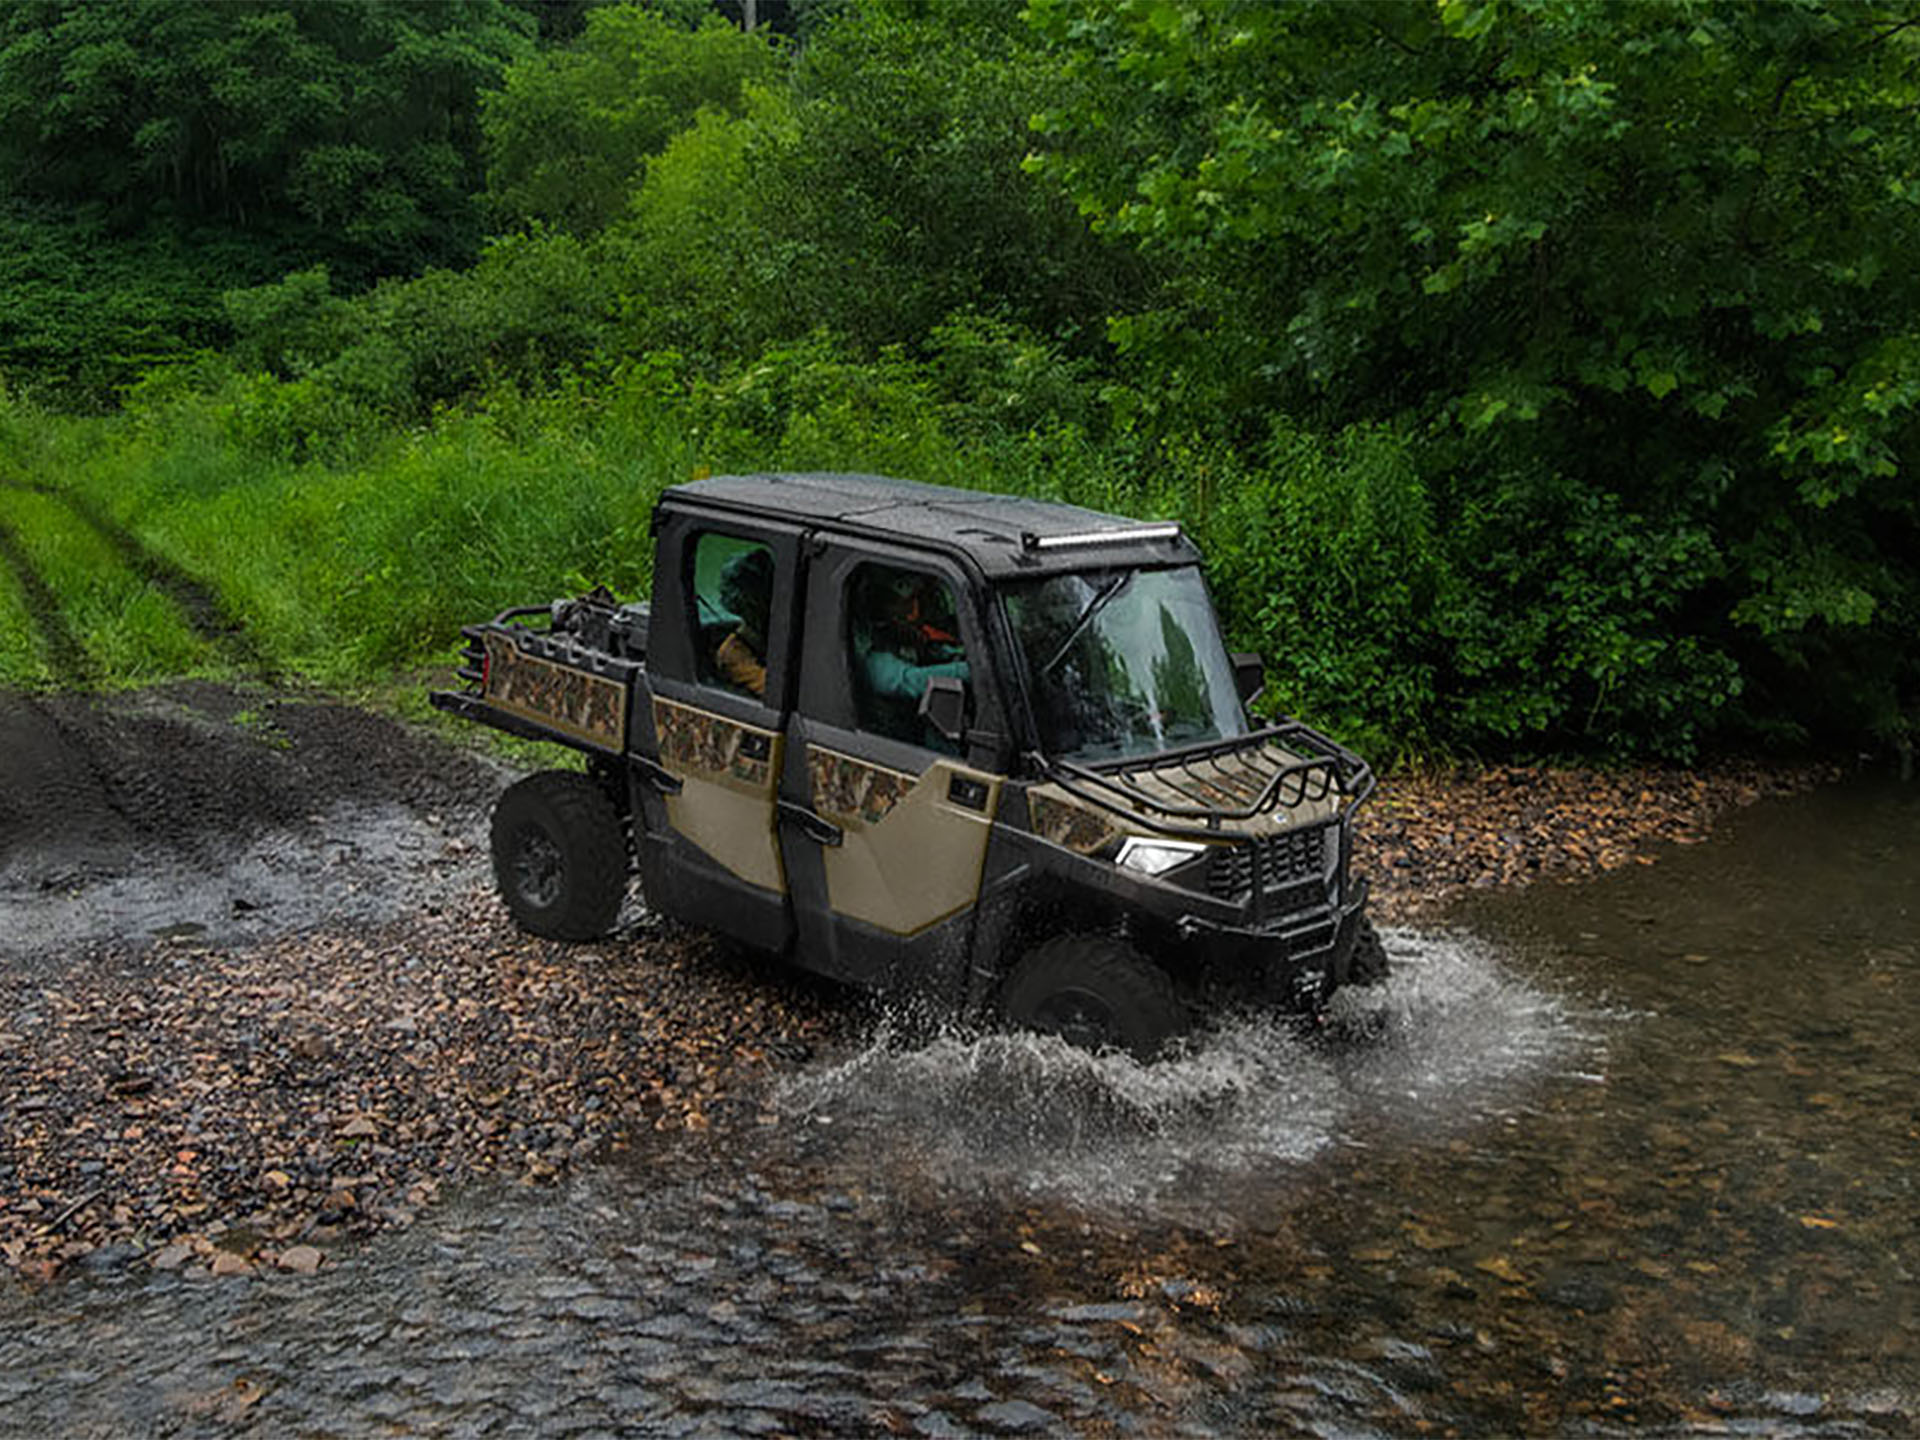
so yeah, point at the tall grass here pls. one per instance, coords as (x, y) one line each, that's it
(343, 567)
(353, 549)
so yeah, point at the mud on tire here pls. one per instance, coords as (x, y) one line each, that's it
(1094, 992)
(559, 856)
(1369, 963)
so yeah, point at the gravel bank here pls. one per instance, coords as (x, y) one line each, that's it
(252, 1089)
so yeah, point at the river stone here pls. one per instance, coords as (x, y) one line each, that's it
(1014, 1417)
(1578, 1292)
(300, 1259)
(171, 1257)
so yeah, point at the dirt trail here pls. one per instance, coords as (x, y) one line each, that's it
(199, 605)
(204, 612)
(208, 810)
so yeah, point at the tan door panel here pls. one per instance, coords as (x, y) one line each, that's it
(727, 772)
(910, 856)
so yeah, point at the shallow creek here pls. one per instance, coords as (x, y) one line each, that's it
(1632, 1155)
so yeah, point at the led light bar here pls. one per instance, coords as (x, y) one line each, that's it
(1124, 536)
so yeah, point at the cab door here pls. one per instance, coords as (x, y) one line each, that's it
(884, 823)
(721, 668)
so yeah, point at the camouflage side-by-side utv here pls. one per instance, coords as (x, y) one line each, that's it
(984, 751)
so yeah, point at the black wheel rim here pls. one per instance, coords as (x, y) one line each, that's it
(1079, 1017)
(538, 870)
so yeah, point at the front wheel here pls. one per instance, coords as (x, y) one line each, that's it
(1096, 993)
(558, 855)
(1369, 963)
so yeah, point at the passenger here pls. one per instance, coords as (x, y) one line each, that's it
(904, 635)
(746, 589)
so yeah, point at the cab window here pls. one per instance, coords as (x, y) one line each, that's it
(730, 580)
(902, 630)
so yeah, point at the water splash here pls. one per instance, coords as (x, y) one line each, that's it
(1253, 1096)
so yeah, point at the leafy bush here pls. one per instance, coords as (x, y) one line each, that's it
(568, 132)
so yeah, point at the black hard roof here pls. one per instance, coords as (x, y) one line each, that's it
(989, 529)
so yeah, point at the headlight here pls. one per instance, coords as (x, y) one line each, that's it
(1156, 857)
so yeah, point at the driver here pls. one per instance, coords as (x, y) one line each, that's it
(905, 634)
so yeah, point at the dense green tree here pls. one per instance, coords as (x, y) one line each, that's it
(347, 125)
(900, 198)
(153, 154)
(1639, 274)
(569, 130)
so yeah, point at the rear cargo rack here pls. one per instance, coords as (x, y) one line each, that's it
(569, 681)
(1224, 779)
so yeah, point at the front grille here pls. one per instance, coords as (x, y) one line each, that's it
(1273, 861)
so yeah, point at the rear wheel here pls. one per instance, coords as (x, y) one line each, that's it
(1096, 993)
(559, 856)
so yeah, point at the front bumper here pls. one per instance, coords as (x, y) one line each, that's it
(1311, 953)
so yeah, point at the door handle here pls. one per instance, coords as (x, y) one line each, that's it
(815, 827)
(656, 775)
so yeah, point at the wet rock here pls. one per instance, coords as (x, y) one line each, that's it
(1578, 1291)
(299, 1259)
(1014, 1417)
(171, 1257)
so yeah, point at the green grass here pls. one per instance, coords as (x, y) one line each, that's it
(353, 555)
(21, 665)
(344, 568)
(354, 558)
(128, 631)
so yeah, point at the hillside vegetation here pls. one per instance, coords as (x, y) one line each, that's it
(1538, 377)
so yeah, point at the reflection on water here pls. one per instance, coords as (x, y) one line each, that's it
(1641, 1156)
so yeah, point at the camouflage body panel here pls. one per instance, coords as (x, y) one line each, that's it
(849, 791)
(727, 774)
(910, 855)
(586, 707)
(702, 743)
(1068, 823)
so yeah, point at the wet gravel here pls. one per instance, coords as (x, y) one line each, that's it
(254, 1000)
(229, 1109)
(1428, 838)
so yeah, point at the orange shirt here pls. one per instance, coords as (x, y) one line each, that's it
(740, 667)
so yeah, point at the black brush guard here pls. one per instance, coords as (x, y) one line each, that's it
(1201, 773)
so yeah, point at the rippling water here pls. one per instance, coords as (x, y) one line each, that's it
(1633, 1156)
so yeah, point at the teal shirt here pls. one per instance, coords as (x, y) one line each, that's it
(898, 679)
(893, 686)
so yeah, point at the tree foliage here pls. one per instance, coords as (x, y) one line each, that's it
(1637, 272)
(349, 122)
(1537, 374)
(570, 128)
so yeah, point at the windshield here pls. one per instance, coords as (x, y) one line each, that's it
(1124, 662)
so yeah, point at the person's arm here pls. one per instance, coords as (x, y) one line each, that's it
(890, 674)
(739, 666)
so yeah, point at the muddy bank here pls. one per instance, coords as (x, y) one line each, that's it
(255, 997)
(224, 814)
(1428, 838)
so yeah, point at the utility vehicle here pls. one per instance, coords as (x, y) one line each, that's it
(984, 751)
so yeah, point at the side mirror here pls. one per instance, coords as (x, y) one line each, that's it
(1249, 675)
(943, 705)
